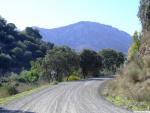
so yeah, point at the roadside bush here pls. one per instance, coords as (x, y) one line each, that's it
(33, 76)
(73, 78)
(133, 81)
(110, 88)
(23, 77)
(12, 90)
(29, 76)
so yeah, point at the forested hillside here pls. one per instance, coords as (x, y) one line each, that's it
(18, 48)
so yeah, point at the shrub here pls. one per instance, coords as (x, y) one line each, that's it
(13, 77)
(73, 78)
(23, 76)
(33, 76)
(12, 90)
(29, 76)
(133, 74)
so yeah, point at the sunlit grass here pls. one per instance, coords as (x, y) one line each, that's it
(6, 100)
(129, 103)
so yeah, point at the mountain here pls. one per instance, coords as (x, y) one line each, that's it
(88, 35)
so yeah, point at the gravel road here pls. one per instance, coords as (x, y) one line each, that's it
(70, 97)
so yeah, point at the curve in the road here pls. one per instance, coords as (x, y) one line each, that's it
(70, 97)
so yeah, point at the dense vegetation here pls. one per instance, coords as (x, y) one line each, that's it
(18, 48)
(27, 62)
(62, 62)
(131, 87)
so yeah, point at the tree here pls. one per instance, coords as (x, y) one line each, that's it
(60, 60)
(18, 52)
(27, 56)
(5, 62)
(22, 46)
(11, 28)
(134, 49)
(90, 61)
(2, 23)
(111, 59)
(33, 32)
(120, 59)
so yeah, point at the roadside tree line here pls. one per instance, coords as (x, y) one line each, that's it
(61, 62)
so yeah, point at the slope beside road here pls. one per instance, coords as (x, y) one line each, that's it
(67, 97)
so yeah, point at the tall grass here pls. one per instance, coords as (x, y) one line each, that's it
(133, 81)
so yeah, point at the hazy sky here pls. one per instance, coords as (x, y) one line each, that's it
(54, 13)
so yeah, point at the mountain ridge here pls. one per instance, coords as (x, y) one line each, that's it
(88, 35)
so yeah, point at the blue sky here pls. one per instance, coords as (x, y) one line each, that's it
(121, 14)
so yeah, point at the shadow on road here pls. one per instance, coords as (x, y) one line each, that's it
(3, 110)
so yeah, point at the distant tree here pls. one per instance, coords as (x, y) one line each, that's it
(5, 62)
(90, 62)
(10, 38)
(120, 59)
(11, 28)
(112, 59)
(33, 32)
(27, 56)
(2, 23)
(3, 36)
(62, 61)
(18, 52)
(21, 46)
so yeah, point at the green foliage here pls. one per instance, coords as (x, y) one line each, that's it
(112, 59)
(90, 61)
(29, 76)
(12, 90)
(17, 51)
(129, 103)
(134, 49)
(23, 76)
(33, 76)
(18, 48)
(59, 62)
(73, 78)
(28, 56)
(5, 61)
(33, 32)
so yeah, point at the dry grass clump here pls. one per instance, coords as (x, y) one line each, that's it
(146, 38)
(133, 81)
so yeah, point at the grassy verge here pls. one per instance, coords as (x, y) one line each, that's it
(6, 100)
(127, 103)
